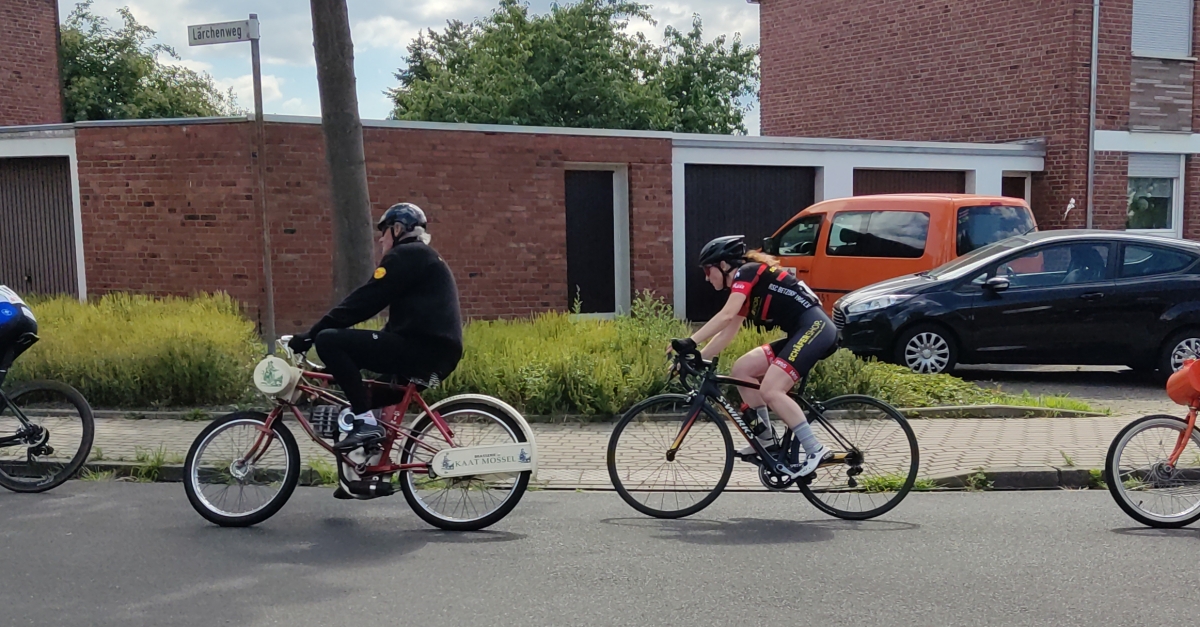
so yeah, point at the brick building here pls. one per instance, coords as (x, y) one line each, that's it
(29, 87)
(1006, 70)
(529, 218)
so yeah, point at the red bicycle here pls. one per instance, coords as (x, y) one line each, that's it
(462, 463)
(1153, 464)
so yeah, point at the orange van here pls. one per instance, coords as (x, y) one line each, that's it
(837, 246)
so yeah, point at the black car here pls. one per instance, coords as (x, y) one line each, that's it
(1053, 297)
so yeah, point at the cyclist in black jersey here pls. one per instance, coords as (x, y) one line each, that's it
(423, 335)
(767, 295)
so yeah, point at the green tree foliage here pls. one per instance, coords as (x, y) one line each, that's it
(577, 66)
(116, 73)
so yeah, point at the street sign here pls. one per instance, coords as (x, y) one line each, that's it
(233, 32)
(222, 32)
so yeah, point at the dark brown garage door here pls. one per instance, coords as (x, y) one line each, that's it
(735, 200)
(37, 234)
(867, 182)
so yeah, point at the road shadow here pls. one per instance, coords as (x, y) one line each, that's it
(1151, 532)
(753, 531)
(1014, 377)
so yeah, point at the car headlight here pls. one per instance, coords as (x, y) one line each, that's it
(882, 302)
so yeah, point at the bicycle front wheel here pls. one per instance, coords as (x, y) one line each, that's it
(47, 430)
(1144, 483)
(237, 473)
(875, 462)
(664, 485)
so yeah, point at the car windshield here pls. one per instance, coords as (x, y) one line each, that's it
(951, 267)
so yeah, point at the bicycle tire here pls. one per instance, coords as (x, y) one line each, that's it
(87, 435)
(643, 506)
(1116, 485)
(410, 489)
(905, 479)
(291, 473)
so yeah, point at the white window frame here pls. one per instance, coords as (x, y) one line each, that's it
(1176, 230)
(1151, 23)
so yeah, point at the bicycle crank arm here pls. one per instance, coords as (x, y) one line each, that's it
(482, 460)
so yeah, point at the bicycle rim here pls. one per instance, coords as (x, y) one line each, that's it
(1144, 484)
(878, 458)
(669, 487)
(54, 441)
(462, 503)
(231, 485)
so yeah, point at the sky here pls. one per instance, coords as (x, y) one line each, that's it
(381, 30)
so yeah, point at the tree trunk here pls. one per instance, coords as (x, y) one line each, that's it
(353, 237)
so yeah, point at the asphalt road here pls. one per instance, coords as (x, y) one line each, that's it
(136, 554)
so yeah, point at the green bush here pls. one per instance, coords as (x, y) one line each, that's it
(126, 350)
(138, 351)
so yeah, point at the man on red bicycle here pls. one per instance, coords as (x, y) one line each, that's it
(423, 335)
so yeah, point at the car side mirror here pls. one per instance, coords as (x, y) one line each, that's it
(996, 284)
(769, 246)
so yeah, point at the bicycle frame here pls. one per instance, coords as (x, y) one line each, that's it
(390, 417)
(22, 435)
(709, 389)
(1184, 436)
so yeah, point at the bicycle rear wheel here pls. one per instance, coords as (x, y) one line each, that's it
(1141, 480)
(876, 458)
(665, 486)
(53, 442)
(462, 503)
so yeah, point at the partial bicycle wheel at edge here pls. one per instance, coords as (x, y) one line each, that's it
(56, 442)
(226, 485)
(1141, 481)
(875, 471)
(669, 488)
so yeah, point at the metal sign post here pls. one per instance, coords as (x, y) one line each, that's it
(229, 32)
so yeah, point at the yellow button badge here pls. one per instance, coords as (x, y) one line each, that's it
(380, 273)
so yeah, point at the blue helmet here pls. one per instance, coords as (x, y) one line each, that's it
(405, 214)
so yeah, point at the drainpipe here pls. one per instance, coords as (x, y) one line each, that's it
(1091, 167)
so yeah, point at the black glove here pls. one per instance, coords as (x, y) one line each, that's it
(300, 343)
(684, 346)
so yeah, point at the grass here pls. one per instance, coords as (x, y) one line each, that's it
(978, 481)
(93, 475)
(150, 463)
(326, 472)
(1096, 479)
(196, 415)
(1067, 459)
(97, 454)
(893, 482)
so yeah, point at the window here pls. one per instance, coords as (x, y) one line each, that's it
(801, 238)
(1154, 202)
(878, 234)
(980, 226)
(1064, 264)
(1142, 261)
(1162, 28)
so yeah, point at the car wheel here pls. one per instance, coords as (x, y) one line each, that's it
(1183, 345)
(927, 349)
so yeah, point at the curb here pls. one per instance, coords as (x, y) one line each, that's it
(1000, 479)
(1044, 478)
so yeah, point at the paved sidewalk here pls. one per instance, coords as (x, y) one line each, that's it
(573, 455)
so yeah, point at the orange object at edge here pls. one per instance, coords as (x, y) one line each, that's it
(1184, 386)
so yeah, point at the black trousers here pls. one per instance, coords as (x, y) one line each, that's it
(346, 352)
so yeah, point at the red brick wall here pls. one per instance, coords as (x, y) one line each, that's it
(29, 87)
(494, 201)
(967, 70)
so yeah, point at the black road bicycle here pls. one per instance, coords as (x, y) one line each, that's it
(671, 455)
(46, 429)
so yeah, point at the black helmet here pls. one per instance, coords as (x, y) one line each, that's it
(405, 214)
(729, 248)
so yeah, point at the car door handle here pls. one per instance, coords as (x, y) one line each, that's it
(1093, 296)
